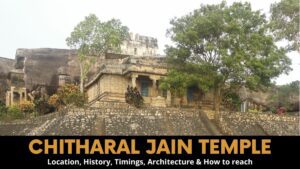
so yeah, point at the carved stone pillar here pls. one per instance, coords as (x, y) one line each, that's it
(155, 90)
(133, 80)
(154, 85)
(25, 92)
(7, 98)
(21, 97)
(12, 95)
(169, 98)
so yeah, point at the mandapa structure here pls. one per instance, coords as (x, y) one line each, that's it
(145, 73)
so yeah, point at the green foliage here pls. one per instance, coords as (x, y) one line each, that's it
(67, 95)
(286, 96)
(285, 22)
(220, 44)
(177, 82)
(55, 101)
(15, 113)
(231, 100)
(91, 37)
(133, 97)
(3, 109)
(27, 107)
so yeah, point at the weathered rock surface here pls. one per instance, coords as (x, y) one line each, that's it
(258, 97)
(5, 66)
(41, 65)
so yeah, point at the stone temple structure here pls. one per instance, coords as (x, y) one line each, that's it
(36, 72)
(145, 73)
(41, 71)
(139, 45)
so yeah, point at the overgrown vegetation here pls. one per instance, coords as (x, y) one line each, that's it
(20, 111)
(68, 94)
(232, 100)
(133, 97)
(14, 112)
(3, 109)
(286, 96)
(27, 107)
(285, 18)
(91, 37)
(42, 106)
(224, 46)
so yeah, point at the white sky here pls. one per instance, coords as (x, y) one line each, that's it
(47, 23)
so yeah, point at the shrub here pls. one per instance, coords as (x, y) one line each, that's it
(15, 112)
(3, 109)
(231, 100)
(133, 97)
(286, 96)
(68, 95)
(42, 106)
(26, 107)
(55, 101)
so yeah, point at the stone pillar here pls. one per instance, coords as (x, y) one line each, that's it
(133, 80)
(154, 86)
(25, 94)
(7, 100)
(169, 98)
(12, 95)
(21, 97)
(245, 106)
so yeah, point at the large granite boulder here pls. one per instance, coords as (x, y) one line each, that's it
(41, 66)
(5, 66)
(258, 97)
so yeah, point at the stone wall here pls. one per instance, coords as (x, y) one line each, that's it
(113, 121)
(140, 45)
(117, 119)
(259, 124)
(112, 85)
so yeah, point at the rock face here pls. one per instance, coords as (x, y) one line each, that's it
(5, 66)
(258, 97)
(41, 66)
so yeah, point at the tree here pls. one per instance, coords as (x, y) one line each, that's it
(285, 22)
(3, 109)
(177, 82)
(92, 37)
(225, 47)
